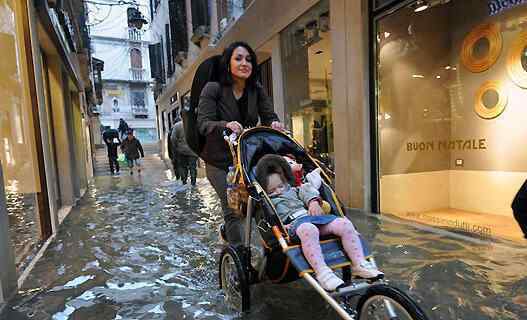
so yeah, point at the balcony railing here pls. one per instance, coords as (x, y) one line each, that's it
(134, 35)
(136, 110)
(137, 74)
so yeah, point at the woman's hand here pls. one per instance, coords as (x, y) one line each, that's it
(277, 125)
(315, 209)
(235, 126)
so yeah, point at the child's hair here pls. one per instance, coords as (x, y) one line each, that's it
(273, 163)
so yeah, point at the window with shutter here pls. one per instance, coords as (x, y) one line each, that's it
(170, 66)
(200, 14)
(136, 59)
(162, 59)
(155, 62)
(178, 28)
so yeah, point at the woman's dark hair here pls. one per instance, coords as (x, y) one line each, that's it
(226, 76)
(273, 163)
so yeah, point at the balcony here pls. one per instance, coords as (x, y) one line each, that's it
(137, 74)
(140, 112)
(134, 34)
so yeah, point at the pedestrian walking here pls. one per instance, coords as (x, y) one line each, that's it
(187, 161)
(111, 139)
(237, 101)
(123, 128)
(133, 150)
(172, 153)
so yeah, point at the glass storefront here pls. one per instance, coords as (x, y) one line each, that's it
(451, 81)
(17, 142)
(307, 65)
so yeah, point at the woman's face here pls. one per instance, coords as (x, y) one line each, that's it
(241, 64)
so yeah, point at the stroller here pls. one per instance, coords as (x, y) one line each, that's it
(282, 260)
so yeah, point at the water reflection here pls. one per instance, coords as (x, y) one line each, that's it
(24, 229)
(149, 251)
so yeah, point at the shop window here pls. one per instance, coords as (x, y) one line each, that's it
(451, 114)
(17, 141)
(307, 61)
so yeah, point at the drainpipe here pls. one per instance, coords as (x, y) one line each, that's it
(8, 283)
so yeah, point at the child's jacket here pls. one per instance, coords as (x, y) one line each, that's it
(292, 202)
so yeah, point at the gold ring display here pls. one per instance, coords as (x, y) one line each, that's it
(494, 111)
(490, 31)
(514, 61)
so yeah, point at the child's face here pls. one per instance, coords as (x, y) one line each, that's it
(275, 185)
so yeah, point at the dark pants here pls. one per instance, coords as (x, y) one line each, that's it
(218, 179)
(519, 208)
(114, 164)
(186, 164)
(175, 167)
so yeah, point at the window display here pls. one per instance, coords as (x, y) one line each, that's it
(17, 143)
(451, 86)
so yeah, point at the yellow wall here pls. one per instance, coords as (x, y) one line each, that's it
(17, 141)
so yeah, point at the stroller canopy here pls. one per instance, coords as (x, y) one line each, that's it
(257, 142)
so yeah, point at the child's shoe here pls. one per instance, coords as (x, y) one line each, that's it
(366, 270)
(329, 280)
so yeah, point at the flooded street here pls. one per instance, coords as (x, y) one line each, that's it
(147, 248)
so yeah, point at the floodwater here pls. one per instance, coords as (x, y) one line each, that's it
(24, 231)
(148, 249)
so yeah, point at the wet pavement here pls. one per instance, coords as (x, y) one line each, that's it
(147, 248)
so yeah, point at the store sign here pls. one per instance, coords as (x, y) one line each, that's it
(446, 145)
(497, 6)
(114, 92)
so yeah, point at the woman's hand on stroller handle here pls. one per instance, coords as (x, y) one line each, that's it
(277, 125)
(234, 126)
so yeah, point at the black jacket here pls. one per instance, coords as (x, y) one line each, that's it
(132, 148)
(178, 144)
(111, 139)
(123, 126)
(217, 106)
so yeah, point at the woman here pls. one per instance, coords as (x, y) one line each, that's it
(235, 103)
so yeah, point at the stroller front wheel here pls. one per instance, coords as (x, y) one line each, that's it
(234, 280)
(385, 302)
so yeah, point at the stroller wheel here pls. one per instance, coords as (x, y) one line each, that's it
(385, 302)
(234, 280)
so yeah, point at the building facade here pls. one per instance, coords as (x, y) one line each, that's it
(126, 81)
(414, 105)
(45, 116)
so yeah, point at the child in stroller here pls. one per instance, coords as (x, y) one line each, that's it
(274, 174)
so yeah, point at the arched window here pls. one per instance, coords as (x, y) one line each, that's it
(135, 58)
